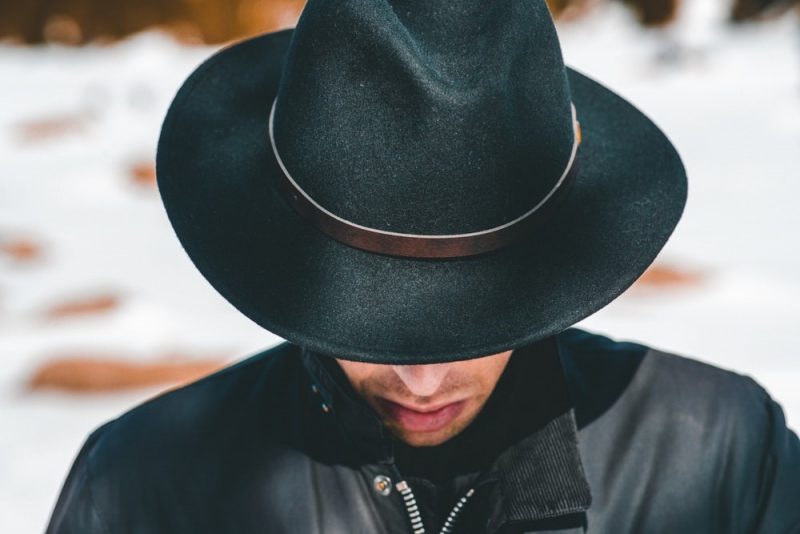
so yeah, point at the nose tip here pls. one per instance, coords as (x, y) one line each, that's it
(423, 380)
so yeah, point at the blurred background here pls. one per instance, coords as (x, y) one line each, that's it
(100, 308)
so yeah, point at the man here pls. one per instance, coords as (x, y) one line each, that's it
(422, 199)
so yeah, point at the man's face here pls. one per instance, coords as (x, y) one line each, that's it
(425, 405)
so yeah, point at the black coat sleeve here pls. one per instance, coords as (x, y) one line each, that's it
(75, 511)
(779, 495)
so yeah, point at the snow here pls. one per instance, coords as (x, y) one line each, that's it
(729, 98)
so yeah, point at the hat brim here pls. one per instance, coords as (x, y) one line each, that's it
(216, 176)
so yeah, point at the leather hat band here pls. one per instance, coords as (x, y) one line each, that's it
(417, 245)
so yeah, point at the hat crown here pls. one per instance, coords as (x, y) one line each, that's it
(425, 116)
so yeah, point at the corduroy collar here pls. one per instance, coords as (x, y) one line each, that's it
(539, 475)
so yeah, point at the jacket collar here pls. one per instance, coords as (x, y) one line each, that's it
(538, 476)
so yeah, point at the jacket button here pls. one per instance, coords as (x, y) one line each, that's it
(382, 485)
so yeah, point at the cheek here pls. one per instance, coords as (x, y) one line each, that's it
(486, 376)
(364, 377)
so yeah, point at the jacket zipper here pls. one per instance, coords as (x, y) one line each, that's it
(412, 509)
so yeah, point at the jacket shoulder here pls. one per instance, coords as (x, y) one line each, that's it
(241, 391)
(204, 403)
(712, 441)
(603, 371)
(170, 436)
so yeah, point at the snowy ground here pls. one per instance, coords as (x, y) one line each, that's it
(729, 99)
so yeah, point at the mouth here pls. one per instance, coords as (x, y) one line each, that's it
(422, 419)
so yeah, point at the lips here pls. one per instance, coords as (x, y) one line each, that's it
(422, 419)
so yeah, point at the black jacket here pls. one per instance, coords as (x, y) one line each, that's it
(596, 435)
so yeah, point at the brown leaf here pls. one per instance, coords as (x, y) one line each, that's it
(143, 173)
(21, 249)
(87, 373)
(44, 129)
(660, 275)
(95, 305)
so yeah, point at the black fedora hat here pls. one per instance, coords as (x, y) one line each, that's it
(406, 181)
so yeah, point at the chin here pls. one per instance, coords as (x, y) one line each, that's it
(428, 439)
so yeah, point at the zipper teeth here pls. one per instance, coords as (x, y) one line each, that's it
(411, 507)
(451, 519)
(414, 514)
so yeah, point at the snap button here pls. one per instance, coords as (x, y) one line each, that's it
(382, 485)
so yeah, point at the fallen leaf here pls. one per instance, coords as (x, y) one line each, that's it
(143, 174)
(660, 275)
(87, 373)
(44, 129)
(95, 305)
(21, 250)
